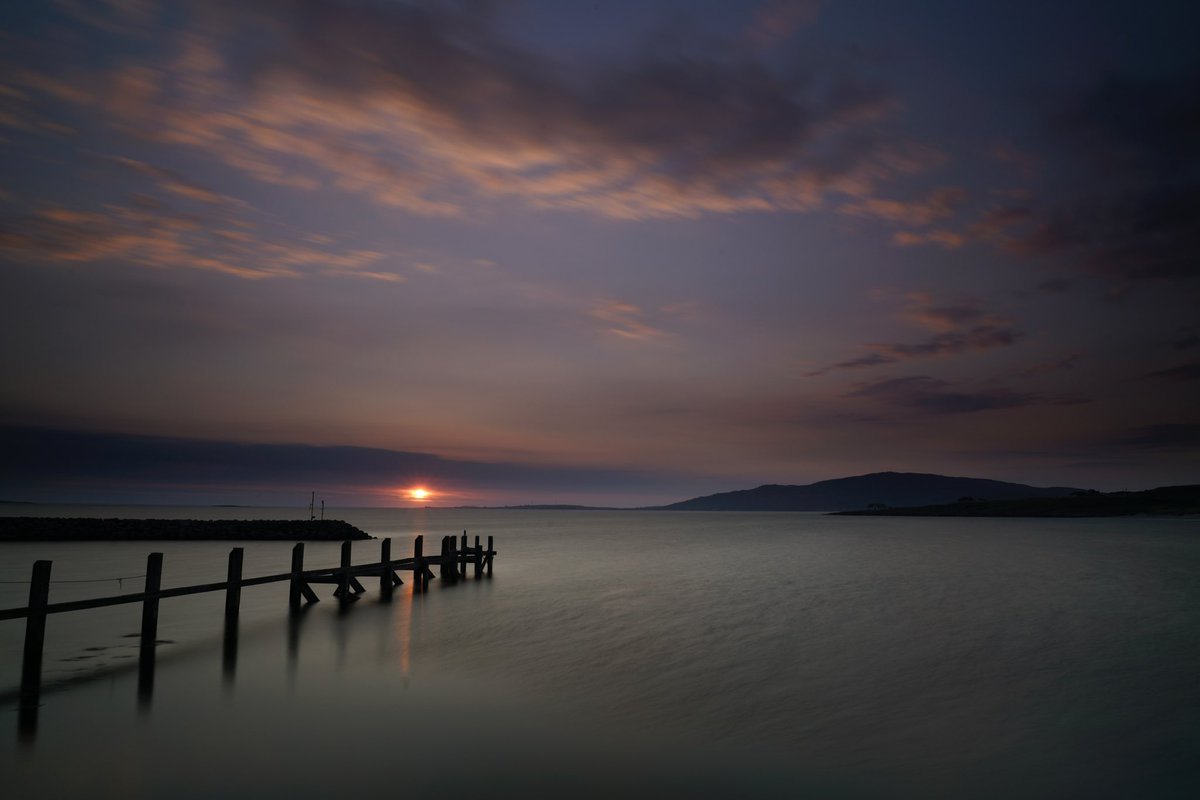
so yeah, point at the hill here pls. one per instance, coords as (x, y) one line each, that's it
(862, 491)
(1163, 501)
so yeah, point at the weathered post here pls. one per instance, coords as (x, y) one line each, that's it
(297, 567)
(419, 581)
(35, 640)
(343, 591)
(444, 566)
(453, 545)
(386, 584)
(463, 555)
(233, 599)
(478, 559)
(149, 636)
(489, 557)
(233, 594)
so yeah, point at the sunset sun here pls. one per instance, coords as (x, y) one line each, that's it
(419, 493)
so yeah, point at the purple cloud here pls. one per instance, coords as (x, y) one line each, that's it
(926, 395)
(1183, 372)
(959, 328)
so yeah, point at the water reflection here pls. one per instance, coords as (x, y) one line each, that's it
(341, 631)
(27, 720)
(145, 686)
(402, 636)
(229, 651)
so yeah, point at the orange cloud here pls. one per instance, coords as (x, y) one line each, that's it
(353, 108)
(627, 321)
(156, 236)
(939, 204)
(948, 239)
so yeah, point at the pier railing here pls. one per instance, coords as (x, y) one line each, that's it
(452, 563)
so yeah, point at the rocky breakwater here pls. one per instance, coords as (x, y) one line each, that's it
(15, 529)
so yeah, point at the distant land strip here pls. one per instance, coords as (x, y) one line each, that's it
(544, 507)
(1163, 501)
(26, 529)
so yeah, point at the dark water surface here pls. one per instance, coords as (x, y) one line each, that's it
(638, 654)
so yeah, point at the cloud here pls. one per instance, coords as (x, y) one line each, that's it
(1119, 179)
(775, 21)
(627, 321)
(1134, 123)
(923, 310)
(1184, 372)
(974, 339)
(1054, 285)
(1131, 217)
(1055, 365)
(957, 328)
(114, 16)
(176, 184)
(917, 212)
(1147, 234)
(150, 234)
(926, 395)
(870, 360)
(209, 231)
(1187, 338)
(1164, 436)
(424, 107)
(1007, 153)
(944, 237)
(997, 224)
(32, 459)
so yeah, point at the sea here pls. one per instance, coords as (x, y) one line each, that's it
(630, 654)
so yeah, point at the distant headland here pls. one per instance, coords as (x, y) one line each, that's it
(924, 494)
(878, 489)
(16, 529)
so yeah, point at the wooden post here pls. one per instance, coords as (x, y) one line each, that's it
(35, 640)
(386, 584)
(463, 555)
(149, 636)
(233, 600)
(452, 543)
(233, 594)
(443, 567)
(478, 559)
(343, 591)
(297, 567)
(419, 581)
(489, 557)
(300, 590)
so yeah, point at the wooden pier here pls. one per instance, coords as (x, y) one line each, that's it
(452, 563)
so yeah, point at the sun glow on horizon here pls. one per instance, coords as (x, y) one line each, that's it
(419, 493)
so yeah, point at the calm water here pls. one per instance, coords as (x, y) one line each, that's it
(635, 654)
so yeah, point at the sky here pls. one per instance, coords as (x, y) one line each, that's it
(614, 253)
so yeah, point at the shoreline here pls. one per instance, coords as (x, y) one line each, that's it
(1165, 502)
